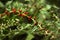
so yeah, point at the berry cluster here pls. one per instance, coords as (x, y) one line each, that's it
(14, 11)
(19, 13)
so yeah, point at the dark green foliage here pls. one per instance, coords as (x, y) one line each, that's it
(55, 2)
(20, 37)
(6, 38)
(4, 1)
(38, 37)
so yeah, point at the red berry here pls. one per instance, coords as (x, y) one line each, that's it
(6, 12)
(19, 14)
(13, 10)
(29, 17)
(26, 13)
(22, 15)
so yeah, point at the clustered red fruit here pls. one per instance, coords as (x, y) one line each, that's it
(19, 13)
(13, 10)
(23, 14)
